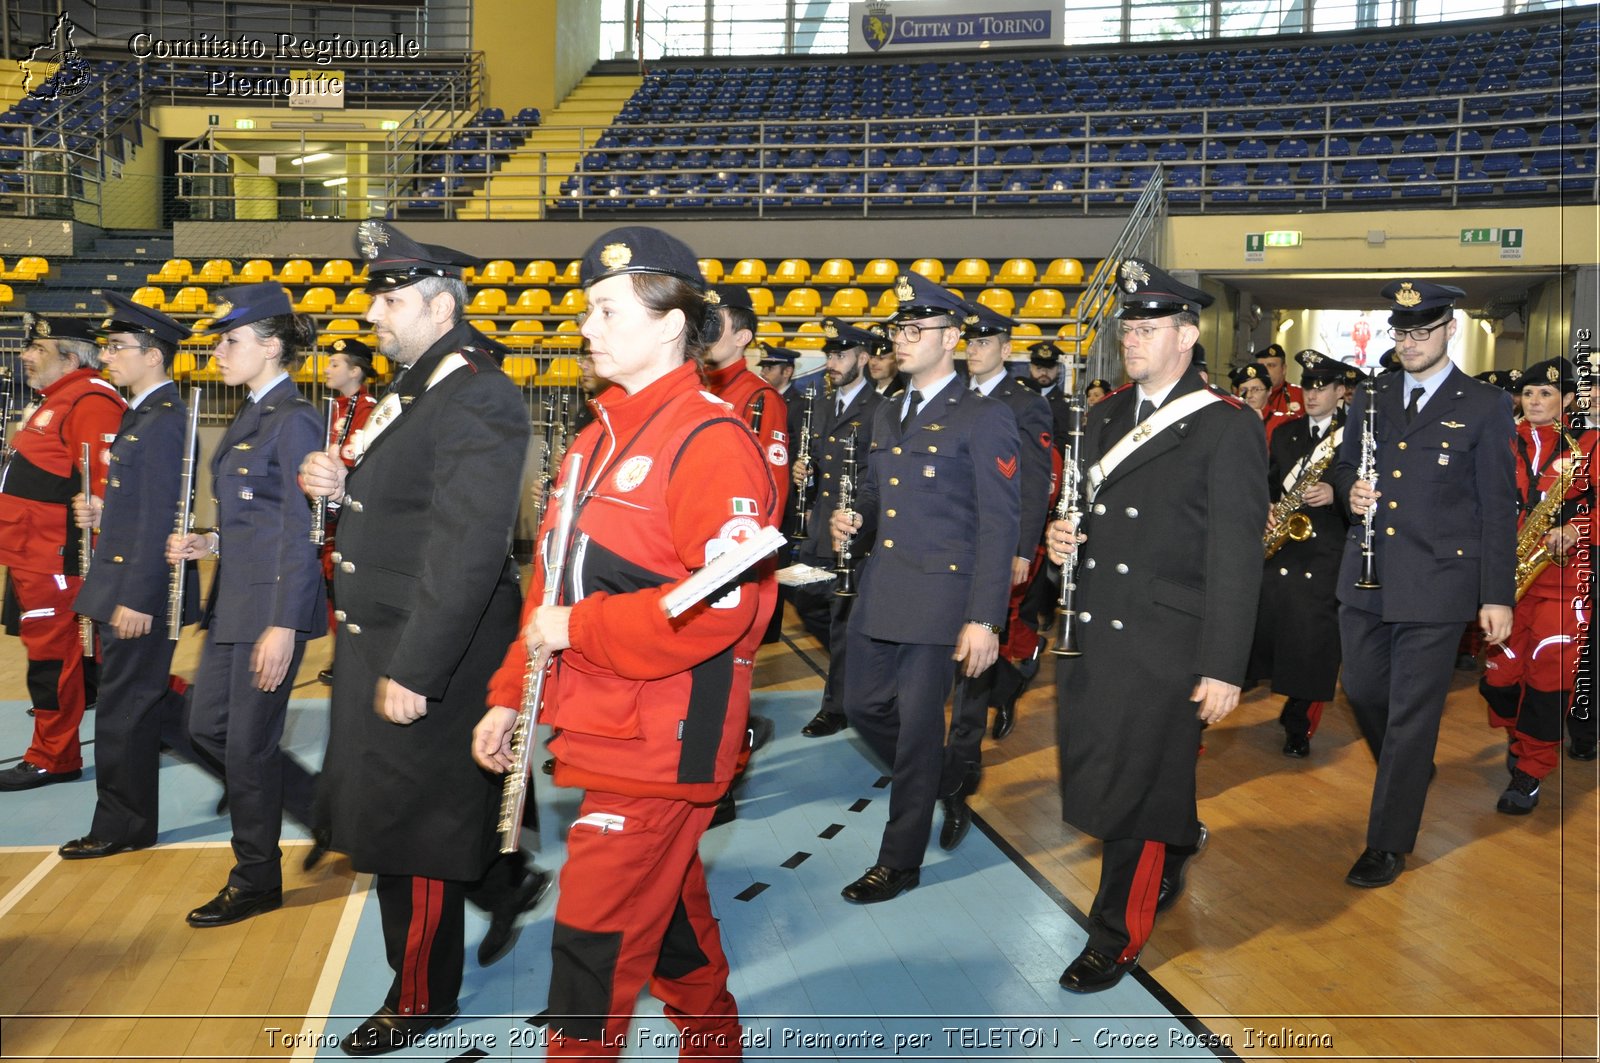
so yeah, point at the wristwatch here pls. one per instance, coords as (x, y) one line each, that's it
(984, 623)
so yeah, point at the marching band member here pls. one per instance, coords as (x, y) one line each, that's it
(346, 374)
(1283, 398)
(647, 713)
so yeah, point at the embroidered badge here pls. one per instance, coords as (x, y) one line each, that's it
(1407, 295)
(1007, 466)
(778, 454)
(631, 473)
(928, 472)
(43, 418)
(224, 308)
(615, 256)
(830, 330)
(743, 507)
(903, 289)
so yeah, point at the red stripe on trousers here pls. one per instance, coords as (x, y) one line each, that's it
(426, 895)
(1140, 916)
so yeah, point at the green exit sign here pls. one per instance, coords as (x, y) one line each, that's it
(1480, 236)
(1282, 237)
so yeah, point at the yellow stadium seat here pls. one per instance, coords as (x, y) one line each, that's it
(311, 369)
(1071, 341)
(205, 370)
(835, 271)
(792, 271)
(317, 300)
(1083, 306)
(334, 271)
(957, 292)
(847, 302)
(761, 300)
(711, 270)
(1063, 273)
(572, 304)
(887, 303)
(561, 373)
(1017, 272)
(486, 327)
(573, 274)
(808, 337)
(878, 271)
(999, 300)
(183, 365)
(257, 269)
(496, 271)
(800, 302)
(524, 334)
(29, 268)
(930, 268)
(540, 271)
(190, 300)
(1024, 335)
(769, 328)
(748, 271)
(1043, 302)
(488, 301)
(1099, 268)
(974, 271)
(355, 301)
(531, 301)
(295, 271)
(521, 368)
(566, 337)
(348, 326)
(173, 271)
(6, 295)
(220, 271)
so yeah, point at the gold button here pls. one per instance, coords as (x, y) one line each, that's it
(117, 559)
(891, 512)
(827, 476)
(1388, 531)
(894, 481)
(347, 566)
(1461, 553)
(954, 569)
(933, 450)
(832, 440)
(896, 450)
(1402, 446)
(1396, 474)
(1445, 445)
(1394, 505)
(243, 471)
(339, 615)
(354, 629)
(888, 544)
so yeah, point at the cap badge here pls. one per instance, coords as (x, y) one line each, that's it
(372, 235)
(615, 256)
(903, 289)
(338, 345)
(1133, 275)
(224, 308)
(830, 330)
(1554, 374)
(970, 319)
(712, 297)
(1407, 295)
(36, 325)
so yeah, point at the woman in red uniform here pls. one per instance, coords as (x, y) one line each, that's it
(646, 714)
(1528, 679)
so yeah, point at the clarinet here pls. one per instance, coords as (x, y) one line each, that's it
(1068, 509)
(844, 560)
(803, 456)
(547, 411)
(6, 401)
(319, 508)
(1368, 471)
(185, 517)
(514, 792)
(85, 547)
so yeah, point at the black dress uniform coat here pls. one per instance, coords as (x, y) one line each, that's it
(829, 432)
(1297, 626)
(1167, 589)
(427, 595)
(1035, 431)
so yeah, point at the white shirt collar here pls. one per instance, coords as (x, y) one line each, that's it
(841, 399)
(257, 396)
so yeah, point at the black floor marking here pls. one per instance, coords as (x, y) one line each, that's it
(882, 783)
(830, 830)
(796, 860)
(751, 892)
(861, 805)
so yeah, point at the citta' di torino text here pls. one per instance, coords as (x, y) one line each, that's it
(322, 51)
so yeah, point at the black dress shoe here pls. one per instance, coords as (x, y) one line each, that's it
(503, 920)
(389, 1032)
(1376, 868)
(26, 775)
(825, 723)
(957, 821)
(321, 841)
(1296, 746)
(1005, 718)
(325, 677)
(1094, 971)
(89, 847)
(881, 884)
(549, 766)
(1174, 872)
(1581, 749)
(234, 905)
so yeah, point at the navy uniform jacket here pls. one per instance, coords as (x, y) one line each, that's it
(1446, 526)
(1034, 432)
(828, 435)
(141, 505)
(427, 595)
(940, 503)
(1167, 587)
(268, 573)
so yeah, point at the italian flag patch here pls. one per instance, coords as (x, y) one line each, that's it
(744, 507)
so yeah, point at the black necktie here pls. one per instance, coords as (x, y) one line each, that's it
(1146, 408)
(913, 400)
(1411, 407)
(838, 409)
(1316, 433)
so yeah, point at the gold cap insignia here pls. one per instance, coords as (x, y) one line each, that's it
(338, 345)
(224, 309)
(830, 330)
(36, 325)
(1133, 275)
(903, 289)
(615, 256)
(970, 319)
(372, 235)
(1554, 374)
(1407, 295)
(712, 297)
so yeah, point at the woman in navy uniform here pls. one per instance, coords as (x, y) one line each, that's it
(126, 591)
(1445, 538)
(1168, 576)
(266, 596)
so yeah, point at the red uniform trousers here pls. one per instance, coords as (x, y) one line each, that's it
(634, 913)
(49, 631)
(1527, 681)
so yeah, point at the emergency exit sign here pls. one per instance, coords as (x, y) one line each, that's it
(1480, 236)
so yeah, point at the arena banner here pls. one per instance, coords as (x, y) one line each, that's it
(921, 25)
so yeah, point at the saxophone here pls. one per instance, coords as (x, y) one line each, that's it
(1287, 521)
(1533, 557)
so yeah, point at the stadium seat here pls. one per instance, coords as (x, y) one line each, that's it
(835, 271)
(1063, 272)
(800, 302)
(1015, 272)
(311, 369)
(342, 327)
(521, 368)
(356, 301)
(254, 271)
(573, 303)
(495, 271)
(566, 337)
(295, 271)
(761, 300)
(808, 337)
(561, 373)
(190, 300)
(317, 300)
(878, 271)
(887, 303)
(847, 302)
(1043, 303)
(335, 271)
(572, 274)
(540, 271)
(931, 268)
(524, 334)
(488, 301)
(792, 271)
(711, 270)
(532, 301)
(970, 271)
(152, 297)
(173, 271)
(28, 269)
(1000, 300)
(748, 271)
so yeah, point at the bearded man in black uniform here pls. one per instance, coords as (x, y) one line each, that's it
(428, 600)
(1297, 626)
(1168, 574)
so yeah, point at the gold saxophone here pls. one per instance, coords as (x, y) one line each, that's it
(1287, 521)
(1533, 557)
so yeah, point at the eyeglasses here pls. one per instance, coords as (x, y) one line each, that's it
(913, 333)
(1418, 335)
(123, 347)
(1142, 333)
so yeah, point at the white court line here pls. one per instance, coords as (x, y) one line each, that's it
(32, 879)
(344, 936)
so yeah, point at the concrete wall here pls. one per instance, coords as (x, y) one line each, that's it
(537, 50)
(38, 236)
